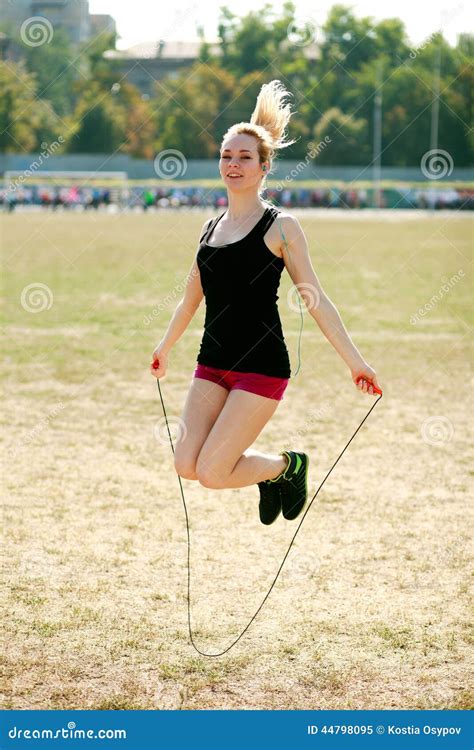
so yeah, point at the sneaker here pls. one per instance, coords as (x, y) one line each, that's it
(294, 481)
(270, 501)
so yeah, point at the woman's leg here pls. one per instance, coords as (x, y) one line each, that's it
(224, 460)
(203, 405)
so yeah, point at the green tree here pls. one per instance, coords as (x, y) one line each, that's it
(464, 84)
(348, 41)
(75, 92)
(391, 40)
(252, 42)
(99, 123)
(55, 67)
(346, 135)
(193, 110)
(25, 120)
(407, 98)
(93, 62)
(140, 127)
(260, 42)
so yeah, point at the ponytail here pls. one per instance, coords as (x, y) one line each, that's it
(268, 123)
(273, 114)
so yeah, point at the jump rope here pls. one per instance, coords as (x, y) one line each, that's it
(155, 366)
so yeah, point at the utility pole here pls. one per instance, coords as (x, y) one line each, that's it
(377, 146)
(435, 105)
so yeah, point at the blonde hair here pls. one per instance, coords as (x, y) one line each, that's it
(268, 121)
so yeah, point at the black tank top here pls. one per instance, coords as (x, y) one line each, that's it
(242, 328)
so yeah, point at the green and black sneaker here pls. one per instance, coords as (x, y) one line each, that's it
(270, 501)
(294, 484)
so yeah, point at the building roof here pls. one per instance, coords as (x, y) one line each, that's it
(162, 49)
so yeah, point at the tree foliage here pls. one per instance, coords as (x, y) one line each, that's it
(332, 71)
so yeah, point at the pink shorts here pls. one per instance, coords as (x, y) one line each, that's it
(255, 382)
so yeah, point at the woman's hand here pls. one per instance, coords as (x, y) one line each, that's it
(162, 358)
(366, 377)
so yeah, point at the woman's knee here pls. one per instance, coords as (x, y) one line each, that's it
(208, 475)
(184, 468)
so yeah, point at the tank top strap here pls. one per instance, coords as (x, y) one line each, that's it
(210, 228)
(267, 220)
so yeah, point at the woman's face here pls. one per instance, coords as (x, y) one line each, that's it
(239, 156)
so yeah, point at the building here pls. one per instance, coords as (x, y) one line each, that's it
(71, 15)
(100, 22)
(13, 14)
(145, 64)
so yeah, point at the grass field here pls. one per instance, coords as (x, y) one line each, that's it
(372, 607)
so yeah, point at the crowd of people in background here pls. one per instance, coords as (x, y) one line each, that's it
(140, 198)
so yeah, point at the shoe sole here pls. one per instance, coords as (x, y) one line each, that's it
(292, 518)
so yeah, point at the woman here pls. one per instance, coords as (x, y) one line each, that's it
(243, 366)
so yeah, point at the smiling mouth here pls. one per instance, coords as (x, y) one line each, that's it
(234, 176)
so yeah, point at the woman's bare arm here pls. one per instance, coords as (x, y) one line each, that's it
(185, 309)
(299, 266)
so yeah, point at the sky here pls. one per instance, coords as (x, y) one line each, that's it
(143, 21)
